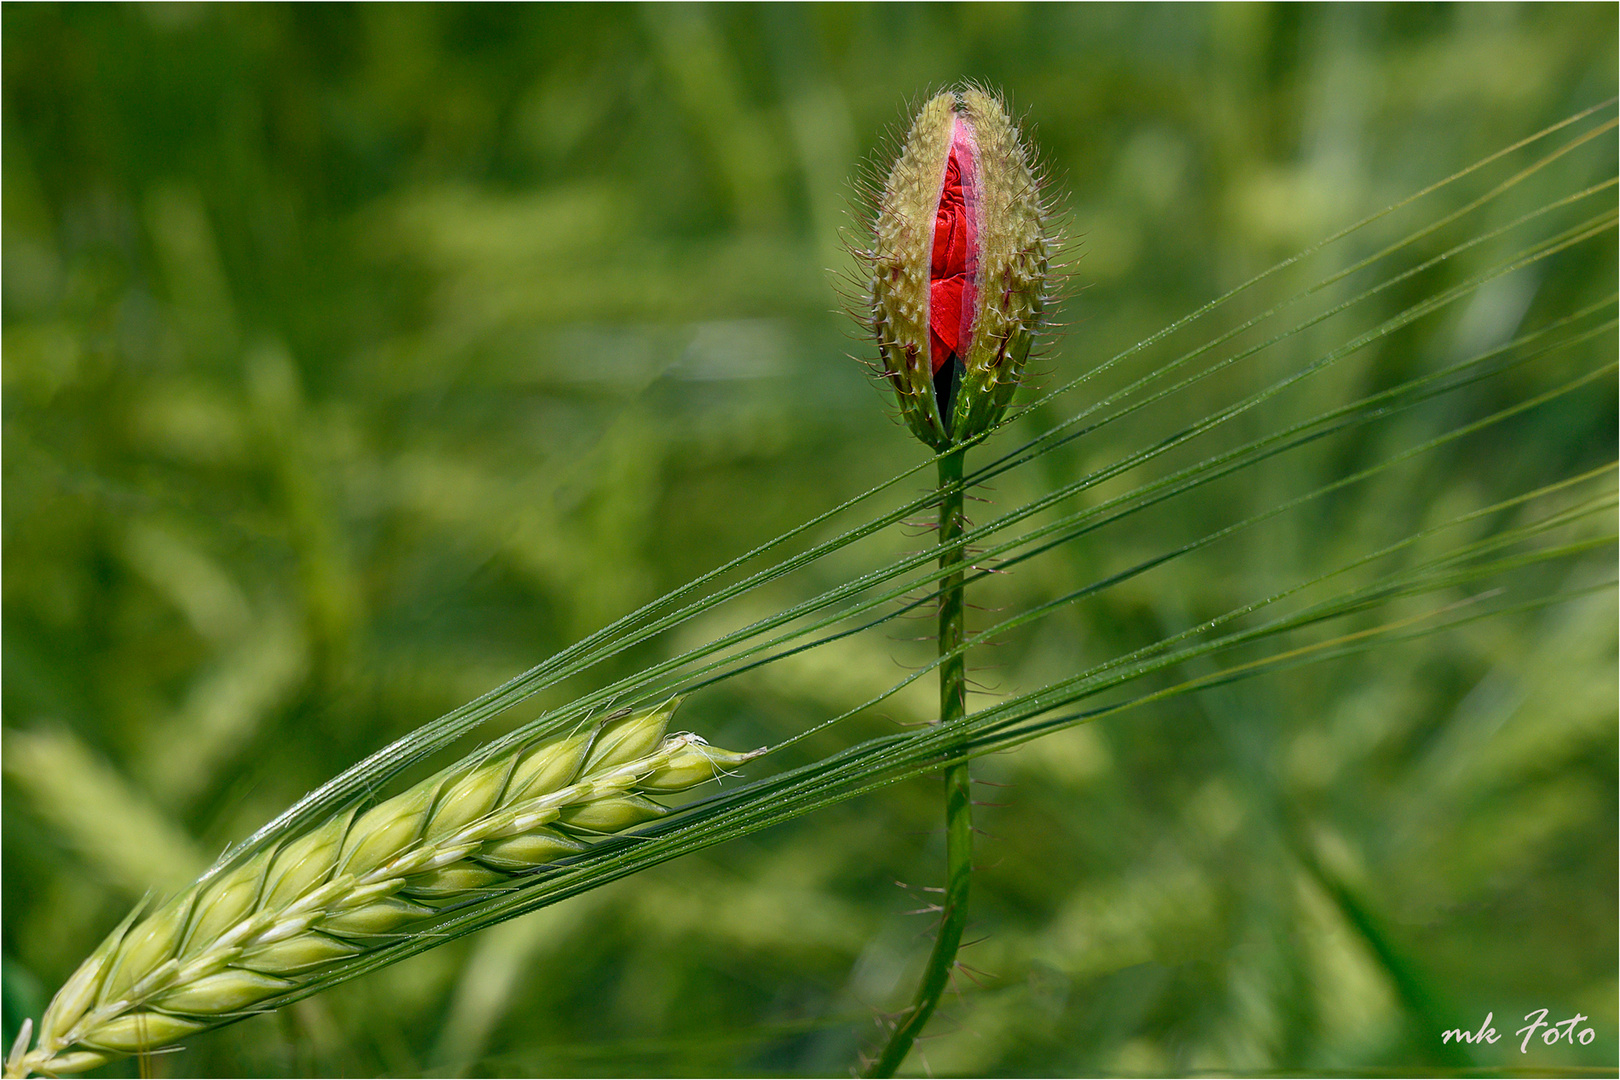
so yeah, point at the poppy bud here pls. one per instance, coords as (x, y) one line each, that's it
(959, 267)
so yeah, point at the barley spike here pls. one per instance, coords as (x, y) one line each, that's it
(230, 944)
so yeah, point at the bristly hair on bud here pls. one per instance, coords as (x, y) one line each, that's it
(958, 266)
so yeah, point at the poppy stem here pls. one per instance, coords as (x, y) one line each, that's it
(958, 804)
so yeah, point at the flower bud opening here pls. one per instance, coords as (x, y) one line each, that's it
(953, 268)
(959, 267)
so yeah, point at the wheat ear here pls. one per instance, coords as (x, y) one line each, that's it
(238, 939)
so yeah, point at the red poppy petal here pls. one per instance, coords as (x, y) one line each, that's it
(951, 290)
(945, 314)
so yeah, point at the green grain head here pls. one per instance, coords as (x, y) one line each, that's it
(251, 933)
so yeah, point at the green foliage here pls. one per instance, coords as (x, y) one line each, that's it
(358, 359)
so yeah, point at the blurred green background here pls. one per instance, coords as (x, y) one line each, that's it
(358, 358)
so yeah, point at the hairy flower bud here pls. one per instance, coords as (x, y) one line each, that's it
(959, 267)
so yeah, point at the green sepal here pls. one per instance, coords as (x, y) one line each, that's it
(903, 234)
(1012, 268)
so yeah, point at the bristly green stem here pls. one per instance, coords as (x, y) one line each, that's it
(958, 804)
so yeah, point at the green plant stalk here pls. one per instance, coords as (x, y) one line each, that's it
(958, 803)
